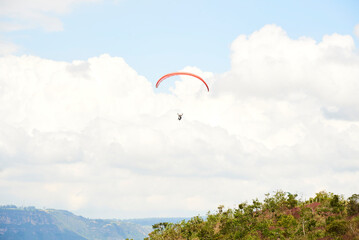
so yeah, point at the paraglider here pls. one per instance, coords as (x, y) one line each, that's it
(180, 73)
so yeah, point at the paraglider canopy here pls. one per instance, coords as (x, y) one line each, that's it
(180, 73)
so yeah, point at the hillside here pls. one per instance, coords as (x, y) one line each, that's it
(31, 223)
(279, 216)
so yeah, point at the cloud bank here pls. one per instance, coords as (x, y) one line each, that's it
(96, 138)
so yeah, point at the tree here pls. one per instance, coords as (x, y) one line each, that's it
(353, 205)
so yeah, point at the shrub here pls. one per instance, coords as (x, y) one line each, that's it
(337, 227)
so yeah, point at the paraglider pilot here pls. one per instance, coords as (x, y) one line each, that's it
(179, 116)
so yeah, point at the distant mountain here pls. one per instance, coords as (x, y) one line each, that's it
(148, 222)
(30, 223)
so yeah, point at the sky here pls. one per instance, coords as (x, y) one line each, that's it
(83, 127)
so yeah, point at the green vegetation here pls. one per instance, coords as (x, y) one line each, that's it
(280, 216)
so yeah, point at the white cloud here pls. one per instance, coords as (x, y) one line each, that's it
(356, 30)
(7, 48)
(95, 137)
(23, 14)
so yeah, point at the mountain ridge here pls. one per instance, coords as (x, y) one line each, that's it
(32, 223)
